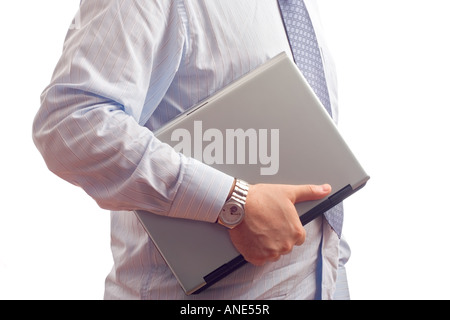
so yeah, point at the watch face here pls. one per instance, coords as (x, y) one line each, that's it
(232, 213)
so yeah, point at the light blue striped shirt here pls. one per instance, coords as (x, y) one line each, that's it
(127, 68)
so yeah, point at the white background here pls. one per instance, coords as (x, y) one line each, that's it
(393, 65)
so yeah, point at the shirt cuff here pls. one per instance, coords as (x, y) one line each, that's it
(202, 192)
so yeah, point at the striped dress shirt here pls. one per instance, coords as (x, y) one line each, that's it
(127, 68)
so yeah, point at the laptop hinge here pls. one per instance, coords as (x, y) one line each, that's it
(222, 272)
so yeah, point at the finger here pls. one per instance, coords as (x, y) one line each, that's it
(311, 192)
(256, 262)
(301, 240)
(301, 237)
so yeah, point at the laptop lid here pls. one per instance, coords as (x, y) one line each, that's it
(267, 127)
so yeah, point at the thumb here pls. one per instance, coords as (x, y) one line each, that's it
(311, 192)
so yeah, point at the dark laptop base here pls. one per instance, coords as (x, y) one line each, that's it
(222, 272)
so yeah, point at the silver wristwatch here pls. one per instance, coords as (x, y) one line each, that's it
(233, 211)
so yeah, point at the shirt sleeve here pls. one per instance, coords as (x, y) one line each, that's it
(116, 66)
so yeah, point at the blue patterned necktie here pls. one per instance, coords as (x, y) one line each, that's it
(306, 52)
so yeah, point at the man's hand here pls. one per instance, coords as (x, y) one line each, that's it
(271, 227)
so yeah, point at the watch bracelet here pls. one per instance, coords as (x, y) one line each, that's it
(240, 191)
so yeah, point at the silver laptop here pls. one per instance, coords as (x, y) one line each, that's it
(267, 127)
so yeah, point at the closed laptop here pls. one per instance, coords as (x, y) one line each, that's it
(266, 127)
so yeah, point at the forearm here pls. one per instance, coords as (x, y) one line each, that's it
(109, 80)
(95, 145)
